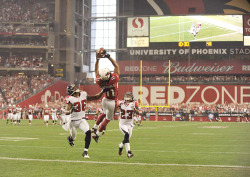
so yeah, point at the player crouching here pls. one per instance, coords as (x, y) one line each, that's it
(127, 106)
(76, 104)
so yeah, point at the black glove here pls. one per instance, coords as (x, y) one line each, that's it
(107, 55)
(105, 90)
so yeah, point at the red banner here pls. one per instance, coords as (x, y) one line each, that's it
(158, 94)
(55, 93)
(246, 30)
(183, 67)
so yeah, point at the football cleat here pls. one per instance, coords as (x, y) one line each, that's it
(130, 154)
(71, 141)
(96, 138)
(120, 150)
(85, 155)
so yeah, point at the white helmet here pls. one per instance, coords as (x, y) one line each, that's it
(105, 74)
(30, 106)
(46, 106)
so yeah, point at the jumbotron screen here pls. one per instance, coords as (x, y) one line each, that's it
(196, 28)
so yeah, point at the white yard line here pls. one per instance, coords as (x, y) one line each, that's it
(202, 39)
(176, 32)
(218, 23)
(123, 163)
(155, 151)
(170, 24)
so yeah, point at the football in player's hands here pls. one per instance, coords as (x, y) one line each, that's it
(100, 53)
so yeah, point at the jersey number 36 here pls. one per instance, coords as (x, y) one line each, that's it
(80, 106)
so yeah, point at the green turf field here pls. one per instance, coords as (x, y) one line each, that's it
(160, 149)
(214, 28)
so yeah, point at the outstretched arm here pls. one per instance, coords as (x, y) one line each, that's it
(95, 97)
(115, 64)
(97, 67)
(98, 95)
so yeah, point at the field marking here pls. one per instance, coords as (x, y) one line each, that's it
(170, 24)
(214, 36)
(155, 151)
(177, 32)
(219, 23)
(202, 133)
(214, 127)
(16, 138)
(123, 163)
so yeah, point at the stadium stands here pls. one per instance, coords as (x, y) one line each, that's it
(201, 79)
(23, 11)
(22, 61)
(18, 88)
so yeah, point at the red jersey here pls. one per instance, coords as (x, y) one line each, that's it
(46, 111)
(30, 111)
(14, 110)
(112, 84)
(10, 110)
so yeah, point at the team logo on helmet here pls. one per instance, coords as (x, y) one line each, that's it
(104, 74)
(71, 89)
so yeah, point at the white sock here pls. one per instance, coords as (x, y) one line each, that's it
(98, 133)
(95, 126)
(121, 145)
(127, 146)
(85, 149)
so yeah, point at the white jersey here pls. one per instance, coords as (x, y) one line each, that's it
(53, 111)
(19, 110)
(63, 111)
(79, 105)
(127, 111)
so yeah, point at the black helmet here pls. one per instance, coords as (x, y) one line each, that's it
(71, 89)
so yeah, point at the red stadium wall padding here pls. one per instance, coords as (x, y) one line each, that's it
(55, 93)
(209, 94)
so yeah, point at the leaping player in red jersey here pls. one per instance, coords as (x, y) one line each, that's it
(106, 79)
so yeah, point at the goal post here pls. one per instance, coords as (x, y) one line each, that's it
(155, 106)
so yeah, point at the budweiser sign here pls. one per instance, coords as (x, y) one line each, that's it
(183, 67)
(176, 67)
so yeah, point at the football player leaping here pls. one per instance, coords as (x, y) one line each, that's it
(106, 79)
(76, 103)
(127, 106)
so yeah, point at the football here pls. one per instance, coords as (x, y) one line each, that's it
(99, 52)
